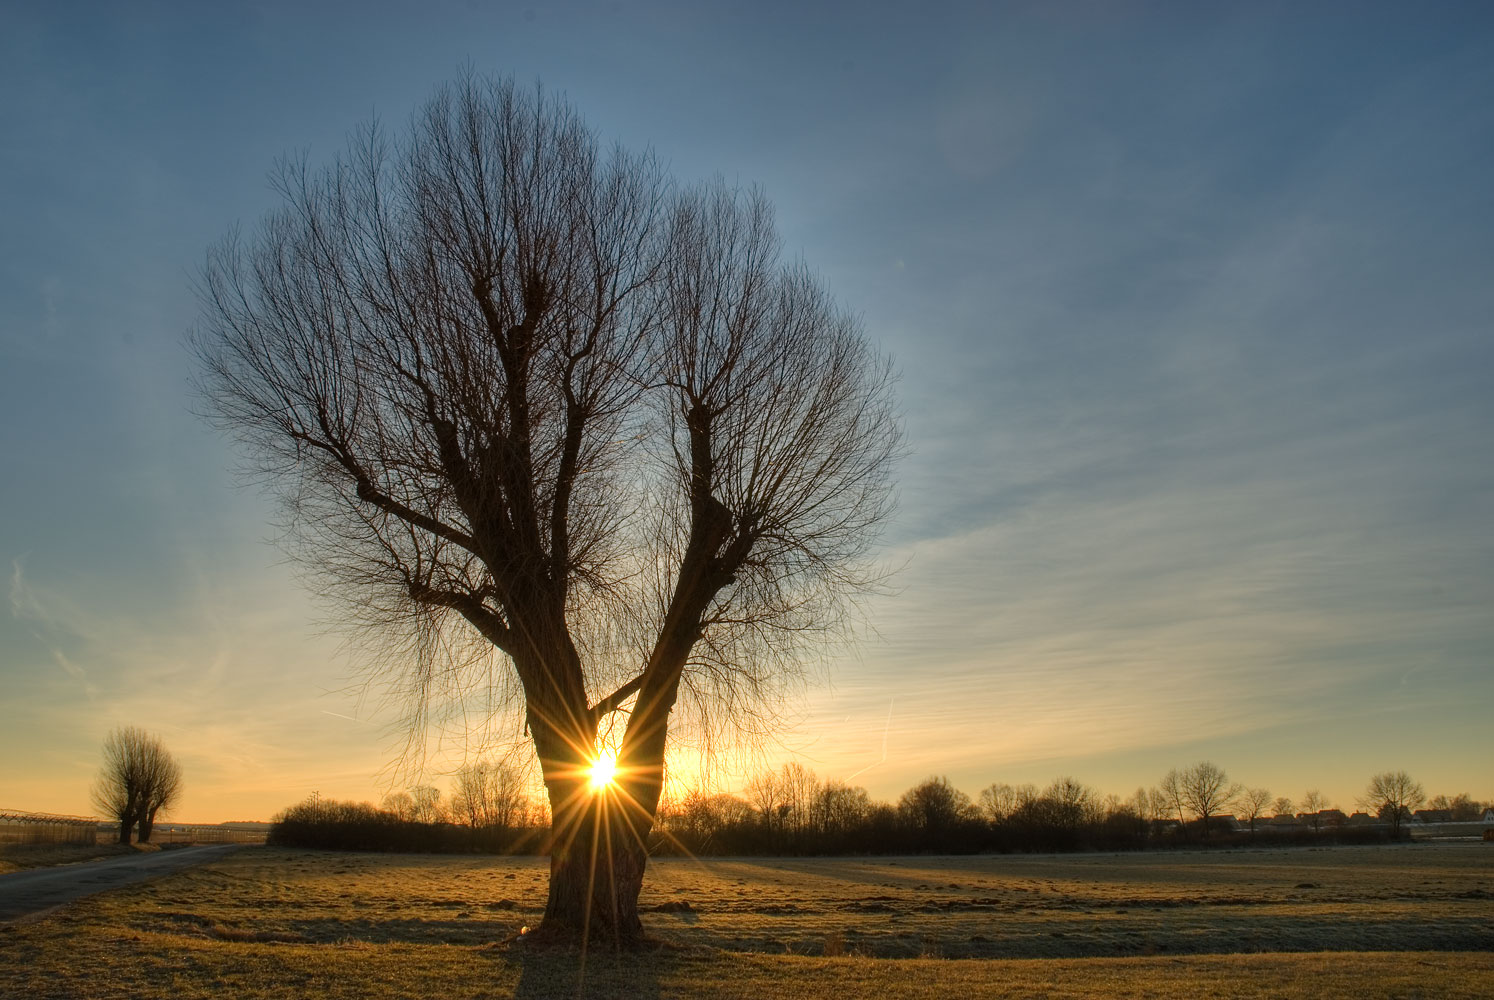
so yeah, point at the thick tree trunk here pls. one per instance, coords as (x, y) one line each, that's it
(598, 843)
(598, 853)
(125, 825)
(599, 837)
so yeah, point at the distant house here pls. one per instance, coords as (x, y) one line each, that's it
(1332, 817)
(1224, 822)
(1361, 819)
(1488, 816)
(1432, 816)
(1284, 820)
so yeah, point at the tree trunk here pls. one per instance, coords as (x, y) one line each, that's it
(125, 824)
(598, 853)
(599, 844)
(147, 823)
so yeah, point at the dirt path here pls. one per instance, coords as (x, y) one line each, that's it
(28, 893)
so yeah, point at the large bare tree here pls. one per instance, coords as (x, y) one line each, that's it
(557, 428)
(138, 779)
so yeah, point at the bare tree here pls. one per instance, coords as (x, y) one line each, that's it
(1251, 804)
(997, 801)
(1153, 804)
(139, 778)
(1313, 804)
(488, 793)
(400, 805)
(163, 788)
(1071, 804)
(764, 794)
(1204, 789)
(934, 808)
(1170, 792)
(426, 804)
(1464, 808)
(797, 785)
(839, 807)
(1392, 795)
(561, 435)
(1282, 806)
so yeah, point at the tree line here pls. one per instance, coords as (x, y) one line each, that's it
(790, 811)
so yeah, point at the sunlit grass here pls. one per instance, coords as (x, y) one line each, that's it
(269, 922)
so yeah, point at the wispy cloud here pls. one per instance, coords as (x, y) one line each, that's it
(24, 603)
(46, 626)
(75, 672)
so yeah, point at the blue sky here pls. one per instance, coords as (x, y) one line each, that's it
(1192, 306)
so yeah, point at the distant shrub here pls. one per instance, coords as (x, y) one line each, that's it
(326, 824)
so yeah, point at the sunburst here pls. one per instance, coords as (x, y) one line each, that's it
(603, 772)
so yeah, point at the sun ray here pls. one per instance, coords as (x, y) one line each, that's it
(603, 771)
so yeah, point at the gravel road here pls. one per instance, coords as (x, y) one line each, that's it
(27, 893)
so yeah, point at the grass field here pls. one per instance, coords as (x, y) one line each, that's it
(1404, 921)
(21, 858)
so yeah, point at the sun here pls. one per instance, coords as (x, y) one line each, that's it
(603, 771)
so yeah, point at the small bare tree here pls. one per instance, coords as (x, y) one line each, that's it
(797, 784)
(1071, 804)
(400, 805)
(139, 779)
(1251, 804)
(562, 435)
(1313, 804)
(997, 801)
(1170, 792)
(1392, 795)
(488, 793)
(838, 807)
(426, 804)
(934, 807)
(1203, 789)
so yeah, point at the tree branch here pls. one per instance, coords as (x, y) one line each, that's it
(614, 701)
(470, 607)
(369, 493)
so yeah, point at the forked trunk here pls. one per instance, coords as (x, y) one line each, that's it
(599, 834)
(598, 853)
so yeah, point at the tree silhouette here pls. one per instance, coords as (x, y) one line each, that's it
(559, 432)
(1313, 804)
(1251, 805)
(1203, 789)
(139, 778)
(1392, 795)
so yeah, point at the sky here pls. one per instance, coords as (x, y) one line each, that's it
(1193, 306)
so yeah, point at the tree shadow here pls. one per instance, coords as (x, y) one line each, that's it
(547, 973)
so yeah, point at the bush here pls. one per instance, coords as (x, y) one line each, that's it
(326, 824)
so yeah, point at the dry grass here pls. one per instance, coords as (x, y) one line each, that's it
(15, 858)
(266, 922)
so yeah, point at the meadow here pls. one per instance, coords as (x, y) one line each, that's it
(1391, 921)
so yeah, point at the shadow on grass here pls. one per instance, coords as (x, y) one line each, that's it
(601, 973)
